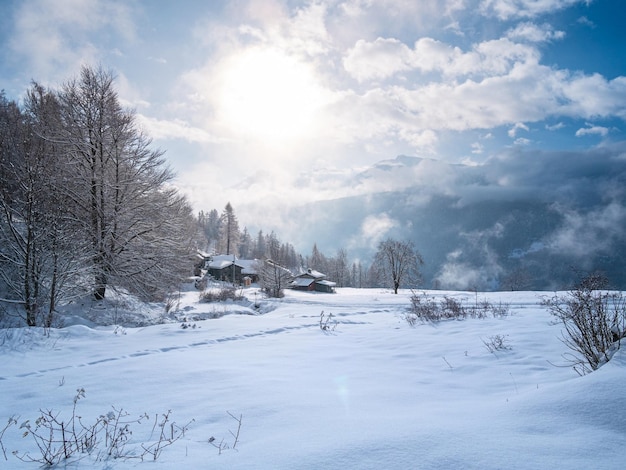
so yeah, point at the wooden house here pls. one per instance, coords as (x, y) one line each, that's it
(312, 280)
(229, 268)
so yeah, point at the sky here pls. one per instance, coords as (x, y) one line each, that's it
(249, 98)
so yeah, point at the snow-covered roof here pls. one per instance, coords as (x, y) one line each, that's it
(324, 282)
(219, 264)
(248, 266)
(312, 273)
(223, 261)
(302, 282)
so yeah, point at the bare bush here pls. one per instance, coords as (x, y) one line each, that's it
(497, 343)
(223, 445)
(10, 422)
(593, 320)
(422, 308)
(426, 308)
(223, 293)
(63, 440)
(326, 322)
(452, 308)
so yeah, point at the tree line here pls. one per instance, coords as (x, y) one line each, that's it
(395, 264)
(86, 203)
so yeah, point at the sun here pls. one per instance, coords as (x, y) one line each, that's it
(268, 95)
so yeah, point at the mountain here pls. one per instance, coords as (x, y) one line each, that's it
(522, 220)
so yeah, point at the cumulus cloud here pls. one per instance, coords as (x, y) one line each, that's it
(520, 91)
(592, 130)
(379, 59)
(534, 33)
(384, 58)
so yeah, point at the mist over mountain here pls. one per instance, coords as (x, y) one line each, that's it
(524, 219)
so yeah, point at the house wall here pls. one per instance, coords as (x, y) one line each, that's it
(226, 274)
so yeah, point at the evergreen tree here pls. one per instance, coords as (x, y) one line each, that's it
(229, 232)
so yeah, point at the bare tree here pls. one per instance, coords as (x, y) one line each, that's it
(36, 258)
(21, 188)
(84, 197)
(273, 278)
(398, 262)
(120, 188)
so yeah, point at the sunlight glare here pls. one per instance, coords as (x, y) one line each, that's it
(268, 95)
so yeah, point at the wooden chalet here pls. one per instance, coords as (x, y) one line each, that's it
(312, 280)
(229, 268)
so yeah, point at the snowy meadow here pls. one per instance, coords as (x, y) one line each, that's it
(309, 381)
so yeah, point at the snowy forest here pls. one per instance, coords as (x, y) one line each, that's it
(222, 235)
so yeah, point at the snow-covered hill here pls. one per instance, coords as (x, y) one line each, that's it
(370, 393)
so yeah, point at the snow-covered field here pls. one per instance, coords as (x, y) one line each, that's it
(372, 393)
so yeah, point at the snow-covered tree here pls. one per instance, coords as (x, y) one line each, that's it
(245, 244)
(210, 226)
(40, 258)
(120, 188)
(259, 248)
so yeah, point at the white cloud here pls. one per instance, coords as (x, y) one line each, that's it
(379, 59)
(584, 234)
(460, 276)
(515, 88)
(56, 37)
(534, 33)
(477, 148)
(422, 141)
(518, 125)
(586, 21)
(555, 127)
(384, 58)
(457, 273)
(592, 130)
(175, 129)
(507, 9)
(594, 95)
(373, 229)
